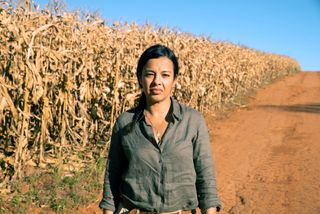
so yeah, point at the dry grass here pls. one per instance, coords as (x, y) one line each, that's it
(63, 82)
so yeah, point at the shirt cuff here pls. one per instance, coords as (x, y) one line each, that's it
(216, 204)
(104, 204)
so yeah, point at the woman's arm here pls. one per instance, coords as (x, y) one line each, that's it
(104, 211)
(114, 168)
(205, 170)
(211, 210)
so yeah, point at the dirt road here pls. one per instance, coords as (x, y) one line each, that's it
(267, 154)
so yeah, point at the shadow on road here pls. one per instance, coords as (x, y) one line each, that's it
(306, 108)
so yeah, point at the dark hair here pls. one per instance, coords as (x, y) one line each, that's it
(157, 51)
(153, 52)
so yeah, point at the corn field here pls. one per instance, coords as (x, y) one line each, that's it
(64, 80)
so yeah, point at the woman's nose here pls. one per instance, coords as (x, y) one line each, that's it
(157, 79)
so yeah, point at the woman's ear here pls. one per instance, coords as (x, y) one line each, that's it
(175, 84)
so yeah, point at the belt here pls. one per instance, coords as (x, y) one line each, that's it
(138, 211)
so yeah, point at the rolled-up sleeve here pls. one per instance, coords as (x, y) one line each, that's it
(114, 168)
(205, 170)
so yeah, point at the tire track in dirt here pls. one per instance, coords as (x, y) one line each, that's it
(267, 154)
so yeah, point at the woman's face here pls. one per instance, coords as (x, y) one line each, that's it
(157, 79)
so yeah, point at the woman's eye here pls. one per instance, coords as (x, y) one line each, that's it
(166, 75)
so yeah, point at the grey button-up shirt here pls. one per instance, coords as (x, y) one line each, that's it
(176, 173)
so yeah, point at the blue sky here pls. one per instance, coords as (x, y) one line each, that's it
(287, 27)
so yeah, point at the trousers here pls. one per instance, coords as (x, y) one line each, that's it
(122, 210)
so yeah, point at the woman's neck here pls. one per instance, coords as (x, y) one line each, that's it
(159, 108)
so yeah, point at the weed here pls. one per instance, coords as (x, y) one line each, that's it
(55, 191)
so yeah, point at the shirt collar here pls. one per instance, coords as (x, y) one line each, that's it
(175, 111)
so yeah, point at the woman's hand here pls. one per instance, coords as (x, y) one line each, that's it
(211, 210)
(107, 211)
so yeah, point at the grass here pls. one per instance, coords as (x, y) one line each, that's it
(242, 99)
(53, 191)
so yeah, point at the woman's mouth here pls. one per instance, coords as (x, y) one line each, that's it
(155, 91)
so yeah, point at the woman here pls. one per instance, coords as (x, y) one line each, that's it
(160, 158)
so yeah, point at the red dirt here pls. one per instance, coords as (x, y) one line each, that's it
(267, 153)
